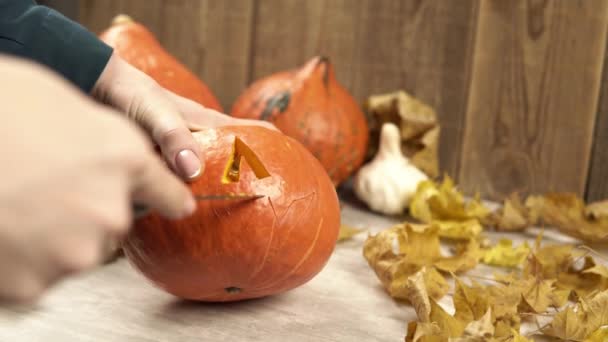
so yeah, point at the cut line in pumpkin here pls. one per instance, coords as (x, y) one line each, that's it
(232, 171)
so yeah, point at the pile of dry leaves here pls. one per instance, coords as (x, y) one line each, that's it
(560, 289)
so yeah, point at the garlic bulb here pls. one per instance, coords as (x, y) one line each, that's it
(388, 182)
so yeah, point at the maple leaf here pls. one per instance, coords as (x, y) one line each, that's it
(466, 257)
(449, 325)
(460, 230)
(568, 213)
(440, 327)
(503, 331)
(503, 254)
(586, 281)
(419, 127)
(347, 232)
(512, 216)
(444, 203)
(427, 158)
(399, 252)
(597, 210)
(470, 302)
(600, 335)
(536, 295)
(578, 322)
(600, 270)
(549, 261)
(423, 332)
(478, 331)
(418, 296)
(395, 255)
(516, 337)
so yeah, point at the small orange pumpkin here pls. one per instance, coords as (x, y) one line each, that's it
(230, 250)
(310, 105)
(133, 42)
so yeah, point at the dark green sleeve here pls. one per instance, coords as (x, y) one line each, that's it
(43, 35)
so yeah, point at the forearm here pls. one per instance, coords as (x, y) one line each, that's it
(45, 36)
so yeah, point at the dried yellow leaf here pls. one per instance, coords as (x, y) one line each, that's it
(418, 123)
(470, 302)
(449, 325)
(418, 296)
(549, 261)
(442, 327)
(568, 213)
(480, 330)
(559, 297)
(466, 229)
(516, 337)
(536, 294)
(503, 331)
(433, 202)
(467, 257)
(576, 323)
(426, 159)
(600, 335)
(512, 216)
(585, 281)
(445, 206)
(399, 252)
(347, 232)
(597, 210)
(600, 270)
(505, 300)
(423, 332)
(503, 254)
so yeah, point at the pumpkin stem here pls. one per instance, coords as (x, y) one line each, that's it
(325, 64)
(232, 171)
(390, 140)
(323, 60)
(121, 19)
(318, 64)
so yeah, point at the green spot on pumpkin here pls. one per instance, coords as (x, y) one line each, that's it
(279, 102)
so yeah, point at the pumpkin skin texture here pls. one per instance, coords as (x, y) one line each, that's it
(309, 105)
(137, 45)
(231, 250)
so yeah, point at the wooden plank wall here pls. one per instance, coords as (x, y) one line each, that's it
(517, 84)
(533, 95)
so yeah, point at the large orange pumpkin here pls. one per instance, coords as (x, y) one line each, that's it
(310, 105)
(133, 42)
(237, 249)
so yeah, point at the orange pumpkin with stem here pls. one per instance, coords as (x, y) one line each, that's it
(237, 249)
(134, 43)
(310, 105)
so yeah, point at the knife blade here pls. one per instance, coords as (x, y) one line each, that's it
(227, 197)
(140, 210)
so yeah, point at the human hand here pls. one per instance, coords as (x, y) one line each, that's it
(167, 117)
(71, 169)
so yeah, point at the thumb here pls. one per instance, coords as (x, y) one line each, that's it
(155, 187)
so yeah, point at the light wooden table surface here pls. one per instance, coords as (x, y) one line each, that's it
(345, 302)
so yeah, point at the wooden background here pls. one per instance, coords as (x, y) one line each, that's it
(520, 86)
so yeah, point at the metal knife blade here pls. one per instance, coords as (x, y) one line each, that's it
(139, 210)
(227, 197)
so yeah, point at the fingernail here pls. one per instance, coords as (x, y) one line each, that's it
(188, 163)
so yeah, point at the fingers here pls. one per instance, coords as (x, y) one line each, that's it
(157, 188)
(145, 101)
(171, 133)
(198, 117)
